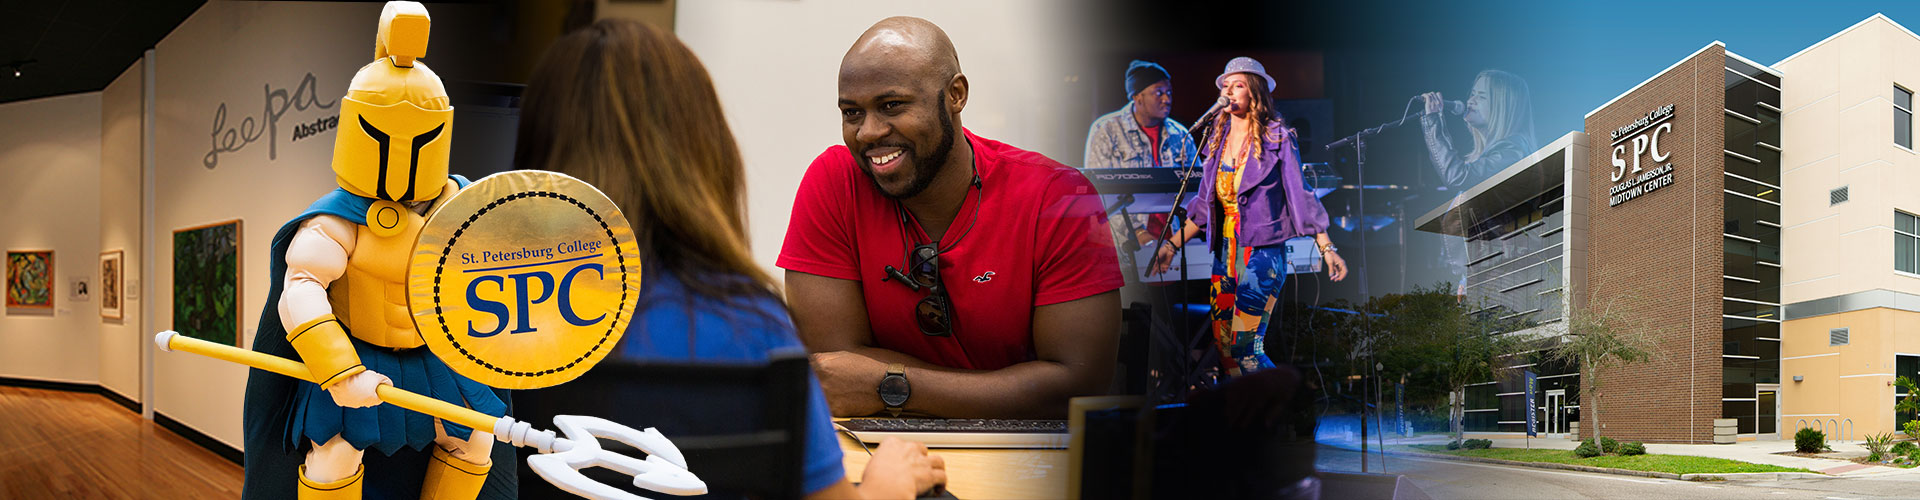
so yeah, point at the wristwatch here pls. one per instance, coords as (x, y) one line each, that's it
(894, 389)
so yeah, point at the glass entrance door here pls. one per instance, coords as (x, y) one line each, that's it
(1769, 406)
(1556, 416)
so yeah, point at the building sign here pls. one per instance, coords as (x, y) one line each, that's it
(1631, 143)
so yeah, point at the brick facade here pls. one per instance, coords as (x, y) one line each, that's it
(1660, 258)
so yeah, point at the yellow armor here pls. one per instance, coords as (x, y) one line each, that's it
(396, 120)
(371, 297)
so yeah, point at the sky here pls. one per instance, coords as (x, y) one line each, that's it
(1579, 55)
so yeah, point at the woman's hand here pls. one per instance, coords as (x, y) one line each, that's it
(901, 469)
(1336, 267)
(1163, 258)
(1435, 104)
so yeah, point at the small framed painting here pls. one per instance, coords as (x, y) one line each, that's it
(112, 283)
(30, 279)
(206, 282)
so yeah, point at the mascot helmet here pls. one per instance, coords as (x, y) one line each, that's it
(396, 121)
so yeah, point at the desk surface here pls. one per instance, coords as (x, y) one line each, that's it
(985, 473)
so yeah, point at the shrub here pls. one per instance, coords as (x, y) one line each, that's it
(1453, 445)
(1633, 448)
(1877, 444)
(1873, 457)
(1809, 441)
(1912, 428)
(1903, 448)
(1608, 445)
(1587, 450)
(1477, 444)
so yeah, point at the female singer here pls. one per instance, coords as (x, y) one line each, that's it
(1500, 115)
(1252, 199)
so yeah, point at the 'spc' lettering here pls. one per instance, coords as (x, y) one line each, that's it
(523, 283)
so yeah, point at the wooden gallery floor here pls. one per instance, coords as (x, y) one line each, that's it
(56, 444)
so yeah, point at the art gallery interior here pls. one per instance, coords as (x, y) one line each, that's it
(218, 128)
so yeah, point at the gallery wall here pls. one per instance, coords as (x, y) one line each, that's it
(121, 341)
(779, 97)
(273, 67)
(50, 170)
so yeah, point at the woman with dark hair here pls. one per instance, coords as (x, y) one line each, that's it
(1252, 199)
(627, 108)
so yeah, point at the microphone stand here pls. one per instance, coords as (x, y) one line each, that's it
(1359, 142)
(1176, 221)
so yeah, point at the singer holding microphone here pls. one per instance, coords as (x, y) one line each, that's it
(1500, 115)
(1252, 199)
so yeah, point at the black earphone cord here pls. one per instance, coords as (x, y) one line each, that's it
(979, 191)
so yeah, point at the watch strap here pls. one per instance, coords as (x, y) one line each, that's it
(900, 370)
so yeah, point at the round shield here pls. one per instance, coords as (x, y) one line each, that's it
(524, 279)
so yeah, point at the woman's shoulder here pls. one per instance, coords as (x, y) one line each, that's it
(1279, 133)
(664, 291)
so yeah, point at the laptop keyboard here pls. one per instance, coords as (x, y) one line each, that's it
(997, 426)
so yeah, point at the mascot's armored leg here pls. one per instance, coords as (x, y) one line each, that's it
(459, 468)
(332, 472)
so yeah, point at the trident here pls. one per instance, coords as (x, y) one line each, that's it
(561, 458)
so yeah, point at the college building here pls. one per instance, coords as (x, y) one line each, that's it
(1748, 218)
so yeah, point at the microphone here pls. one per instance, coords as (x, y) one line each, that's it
(1455, 108)
(1218, 105)
(1206, 119)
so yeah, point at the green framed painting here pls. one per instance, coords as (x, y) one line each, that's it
(206, 282)
(30, 279)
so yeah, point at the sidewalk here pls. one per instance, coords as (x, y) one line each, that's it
(1759, 452)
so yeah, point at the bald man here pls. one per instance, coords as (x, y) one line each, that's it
(936, 272)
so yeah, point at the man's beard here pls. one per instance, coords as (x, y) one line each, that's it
(925, 167)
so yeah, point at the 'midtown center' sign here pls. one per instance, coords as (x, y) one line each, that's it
(1644, 136)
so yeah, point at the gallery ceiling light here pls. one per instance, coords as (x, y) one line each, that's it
(16, 66)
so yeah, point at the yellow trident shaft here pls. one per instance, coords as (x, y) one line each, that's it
(403, 398)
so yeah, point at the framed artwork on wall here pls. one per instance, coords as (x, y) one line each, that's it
(30, 279)
(112, 281)
(206, 282)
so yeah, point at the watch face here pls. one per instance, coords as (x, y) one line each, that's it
(893, 390)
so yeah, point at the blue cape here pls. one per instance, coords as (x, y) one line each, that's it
(272, 467)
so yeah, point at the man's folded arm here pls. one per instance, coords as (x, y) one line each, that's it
(1074, 342)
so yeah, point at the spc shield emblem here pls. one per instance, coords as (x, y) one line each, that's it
(524, 279)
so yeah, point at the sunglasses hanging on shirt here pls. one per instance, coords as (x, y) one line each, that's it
(934, 313)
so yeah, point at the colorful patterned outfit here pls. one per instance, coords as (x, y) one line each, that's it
(1259, 200)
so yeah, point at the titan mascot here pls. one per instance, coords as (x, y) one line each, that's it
(338, 302)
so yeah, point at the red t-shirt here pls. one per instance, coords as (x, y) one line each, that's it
(1041, 239)
(1153, 143)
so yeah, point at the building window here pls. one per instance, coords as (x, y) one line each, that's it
(1906, 242)
(1903, 117)
(1907, 366)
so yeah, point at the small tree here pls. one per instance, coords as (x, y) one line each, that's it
(1438, 334)
(1597, 339)
(1909, 406)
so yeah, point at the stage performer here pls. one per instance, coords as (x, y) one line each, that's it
(1500, 115)
(338, 302)
(1140, 134)
(1252, 199)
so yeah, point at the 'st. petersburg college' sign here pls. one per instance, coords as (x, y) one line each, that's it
(1644, 136)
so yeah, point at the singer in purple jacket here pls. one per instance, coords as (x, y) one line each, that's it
(1252, 199)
